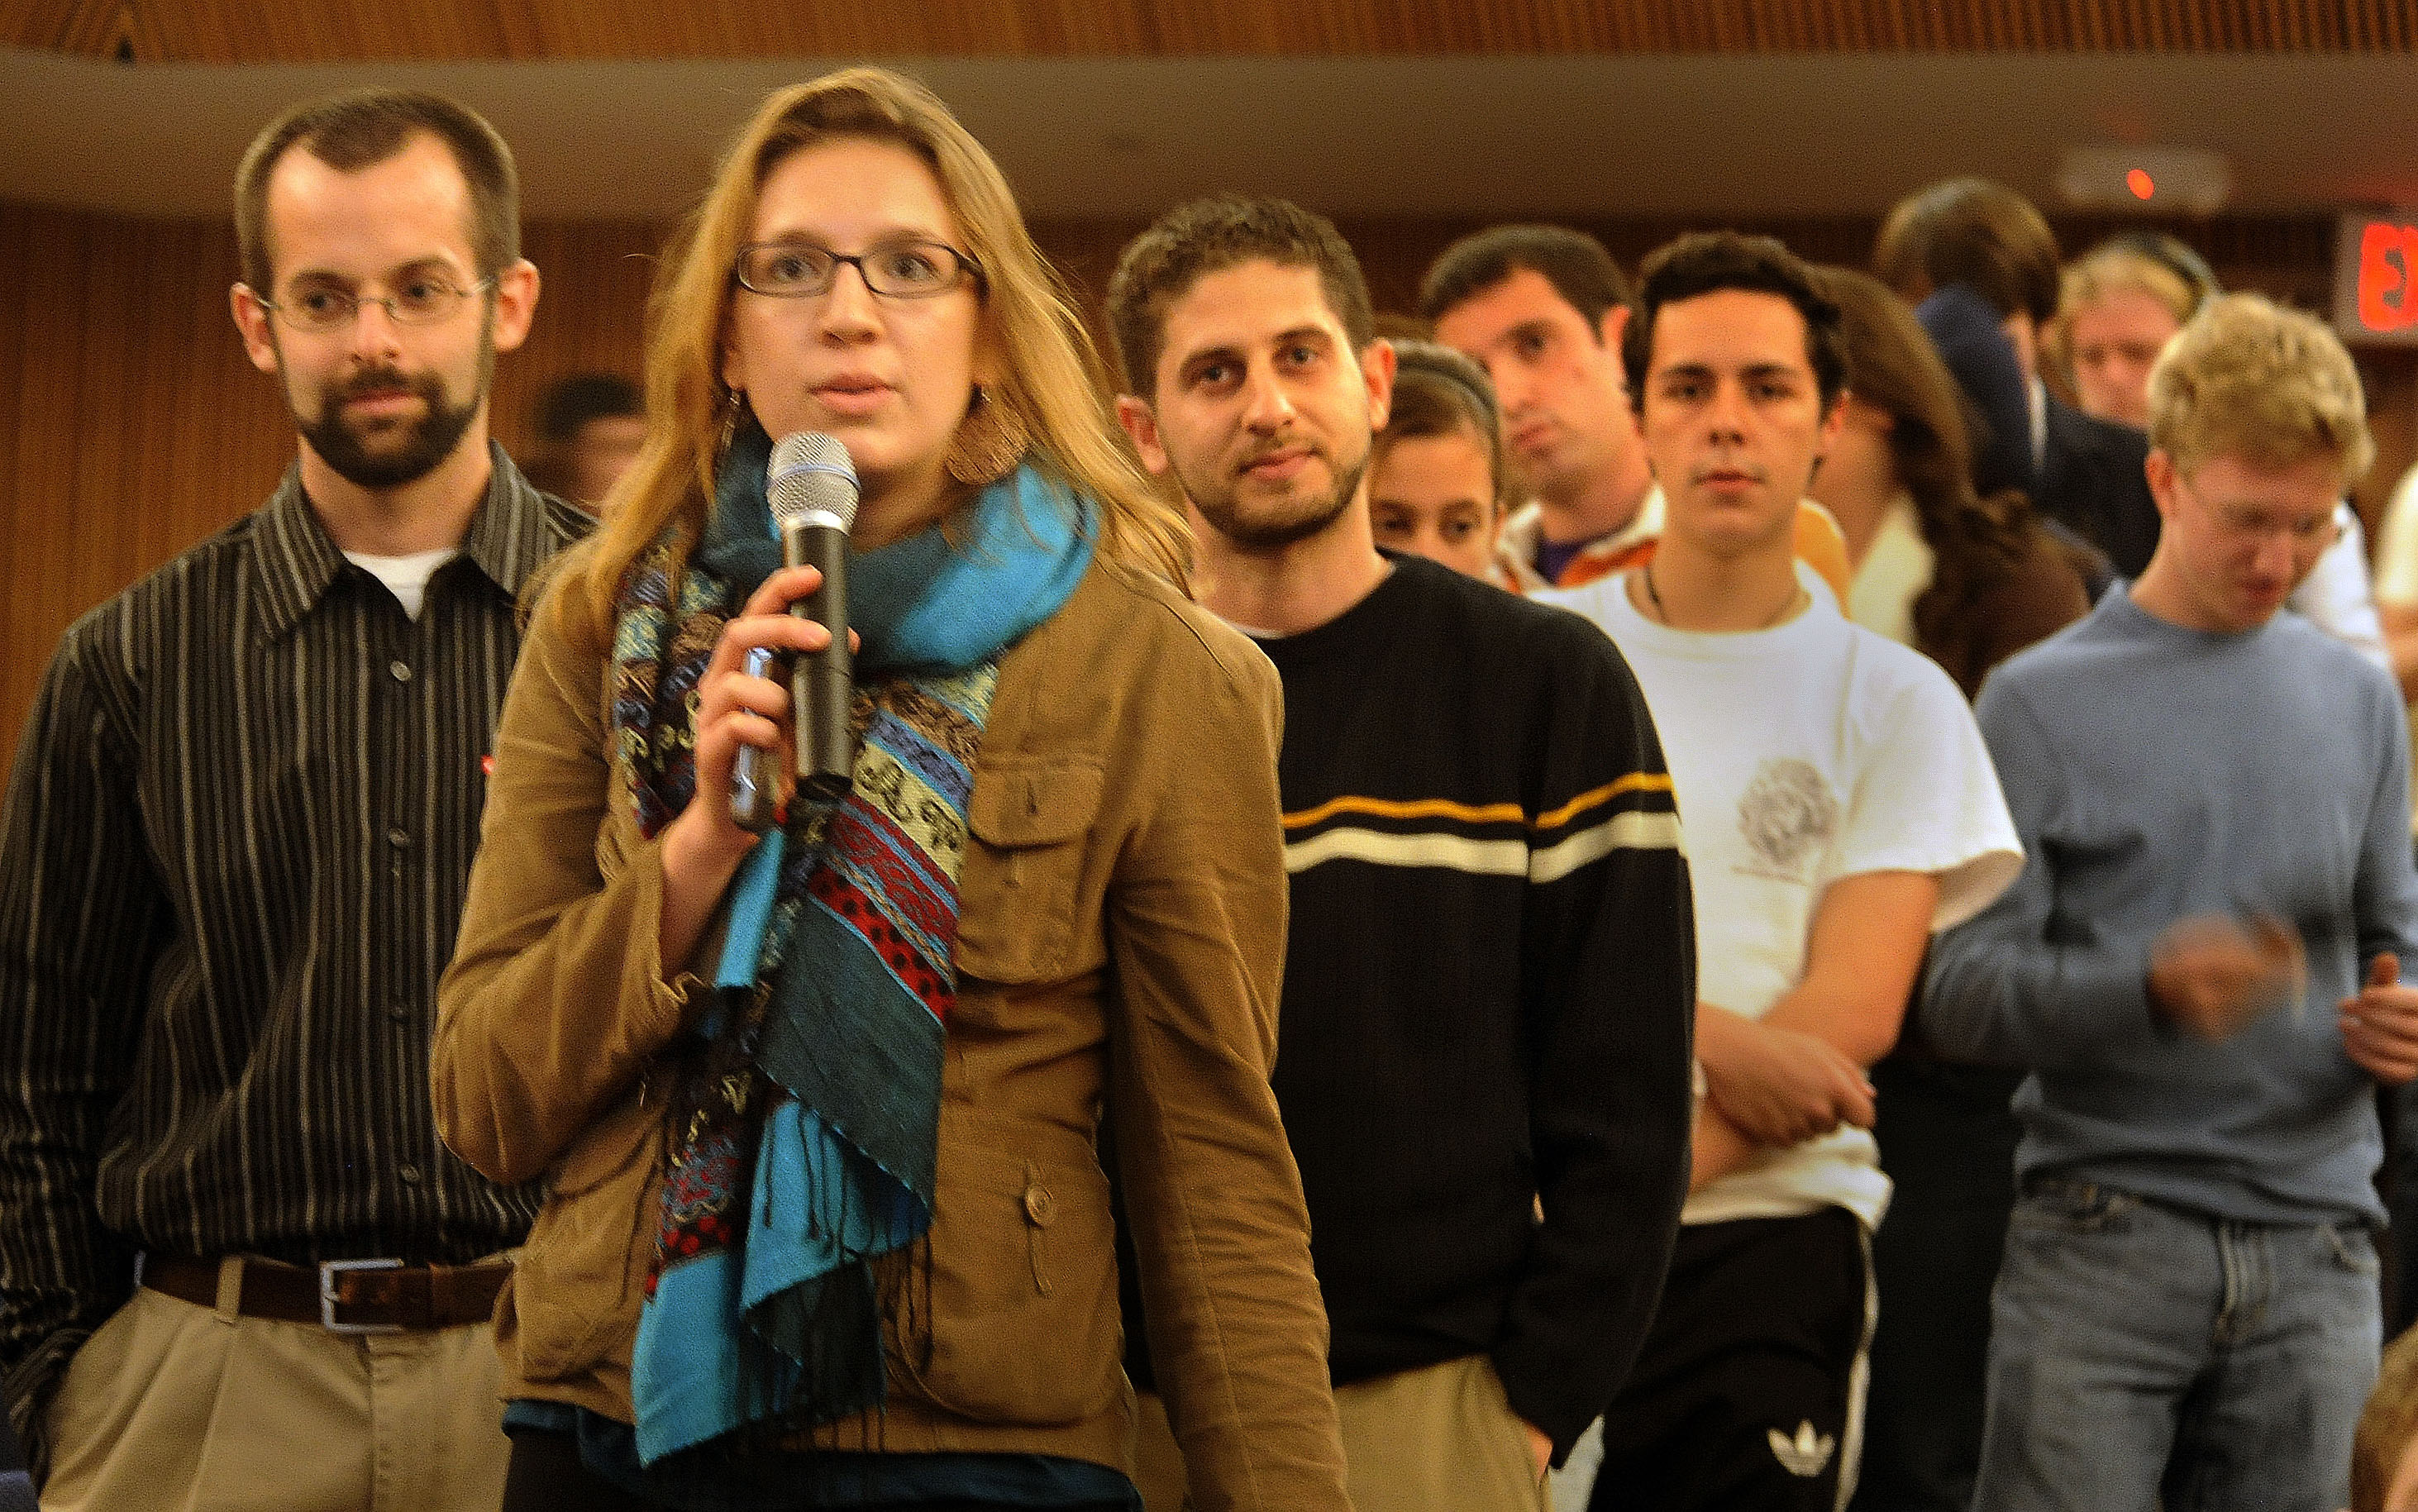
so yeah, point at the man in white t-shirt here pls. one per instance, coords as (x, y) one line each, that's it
(1840, 807)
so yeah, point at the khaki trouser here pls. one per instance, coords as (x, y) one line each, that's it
(1441, 1439)
(184, 1409)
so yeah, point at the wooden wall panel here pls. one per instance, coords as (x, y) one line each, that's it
(274, 31)
(131, 425)
(590, 315)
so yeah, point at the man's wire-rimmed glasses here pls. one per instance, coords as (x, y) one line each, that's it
(423, 300)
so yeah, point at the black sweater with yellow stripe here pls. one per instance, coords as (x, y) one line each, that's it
(1488, 989)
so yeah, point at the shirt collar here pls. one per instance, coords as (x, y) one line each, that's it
(295, 559)
(1516, 544)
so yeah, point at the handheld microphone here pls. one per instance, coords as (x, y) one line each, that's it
(811, 489)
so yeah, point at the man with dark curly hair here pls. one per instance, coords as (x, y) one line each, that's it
(1840, 807)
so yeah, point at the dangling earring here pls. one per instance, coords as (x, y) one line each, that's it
(989, 442)
(731, 427)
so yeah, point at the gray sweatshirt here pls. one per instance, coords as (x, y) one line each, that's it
(2155, 774)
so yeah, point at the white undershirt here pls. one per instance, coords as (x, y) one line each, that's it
(406, 577)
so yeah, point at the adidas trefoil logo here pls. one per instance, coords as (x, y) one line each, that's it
(1804, 1455)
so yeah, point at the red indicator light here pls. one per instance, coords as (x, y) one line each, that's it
(2385, 265)
(2140, 183)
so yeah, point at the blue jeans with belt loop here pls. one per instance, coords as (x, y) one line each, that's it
(2145, 1356)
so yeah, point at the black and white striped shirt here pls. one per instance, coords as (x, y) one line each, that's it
(231, 866)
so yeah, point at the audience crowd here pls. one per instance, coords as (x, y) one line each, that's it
(1759, 886)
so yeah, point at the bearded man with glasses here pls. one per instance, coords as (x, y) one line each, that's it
(237, 1266)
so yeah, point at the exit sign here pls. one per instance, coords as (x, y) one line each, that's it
(2376, 278)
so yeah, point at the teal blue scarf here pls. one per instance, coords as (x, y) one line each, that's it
(805, 1125)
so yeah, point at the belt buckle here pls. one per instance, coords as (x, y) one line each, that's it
(328, 1272)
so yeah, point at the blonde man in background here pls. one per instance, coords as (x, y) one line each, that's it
(2200, 964)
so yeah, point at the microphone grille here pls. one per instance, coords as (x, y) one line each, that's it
(810, 472)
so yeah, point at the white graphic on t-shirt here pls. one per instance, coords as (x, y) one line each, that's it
(1788, 811)
(1806, 1453)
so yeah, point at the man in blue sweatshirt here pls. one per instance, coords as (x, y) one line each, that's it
(2200, 967)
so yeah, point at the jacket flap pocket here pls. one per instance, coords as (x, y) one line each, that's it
(1022, 802)
(1023, 1321)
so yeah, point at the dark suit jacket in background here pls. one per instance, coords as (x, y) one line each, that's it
(1966, 332)
(2092, 479)
(2089, 479)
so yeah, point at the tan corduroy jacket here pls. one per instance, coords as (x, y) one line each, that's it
(1120, 948)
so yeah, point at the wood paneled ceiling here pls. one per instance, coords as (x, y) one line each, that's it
(345, 31)
(1764, 135)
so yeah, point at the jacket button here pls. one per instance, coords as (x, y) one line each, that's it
(1039, 1207)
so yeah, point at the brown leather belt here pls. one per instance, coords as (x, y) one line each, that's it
(347, 1296)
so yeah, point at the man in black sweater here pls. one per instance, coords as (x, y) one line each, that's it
(1484, 1053)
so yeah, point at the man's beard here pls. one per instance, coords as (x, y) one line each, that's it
(1267, 533)
(426, 442)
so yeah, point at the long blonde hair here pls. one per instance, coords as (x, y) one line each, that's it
(1050, 376)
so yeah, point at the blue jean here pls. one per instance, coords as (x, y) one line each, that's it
(2144, 1356)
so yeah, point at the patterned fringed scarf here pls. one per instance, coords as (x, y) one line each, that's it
(805, 1119)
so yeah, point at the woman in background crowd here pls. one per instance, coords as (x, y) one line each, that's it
(1968, 582)
(2384, 1452)
(1435, 471)
(2117, 307)
(819, 1111)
